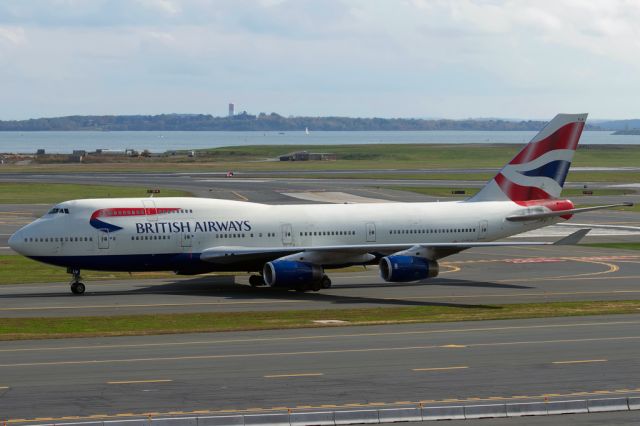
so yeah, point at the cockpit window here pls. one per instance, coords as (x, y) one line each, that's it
(57, 210)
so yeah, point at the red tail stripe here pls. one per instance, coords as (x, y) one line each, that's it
(517, 192)
(566, 137)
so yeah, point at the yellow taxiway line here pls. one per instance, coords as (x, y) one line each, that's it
(461, 367)
(131, 382)
(317, 352)
(338, 406)
(279, 376)
(581, 361)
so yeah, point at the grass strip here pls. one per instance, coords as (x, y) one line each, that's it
(125, 325)
(16, 269)
(49, 193)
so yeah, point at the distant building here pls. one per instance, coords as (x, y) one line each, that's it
(231, 109)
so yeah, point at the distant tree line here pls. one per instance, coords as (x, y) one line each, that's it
(261, 122)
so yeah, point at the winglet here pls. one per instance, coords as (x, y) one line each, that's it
(572, 239)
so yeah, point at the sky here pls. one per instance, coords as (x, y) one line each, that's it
(364, 58)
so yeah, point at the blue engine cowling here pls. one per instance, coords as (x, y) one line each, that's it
(402, 269)
(290, 274)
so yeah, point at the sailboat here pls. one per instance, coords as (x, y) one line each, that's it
(306, 130)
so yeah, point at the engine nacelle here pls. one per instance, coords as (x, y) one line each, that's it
(402, 269)
(290, 274)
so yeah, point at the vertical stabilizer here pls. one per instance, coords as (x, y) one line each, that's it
(538, 171)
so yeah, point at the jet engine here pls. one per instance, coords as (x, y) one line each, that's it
(291, 274)
(402, 269)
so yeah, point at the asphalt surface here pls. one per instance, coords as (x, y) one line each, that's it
(479, 276)
(448, 363)
(463, 363)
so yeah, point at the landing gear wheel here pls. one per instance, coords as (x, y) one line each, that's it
(77, 288)
(325, 282)
(256, 281)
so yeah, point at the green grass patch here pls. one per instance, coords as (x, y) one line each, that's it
(444, 191)
(621, 246)
(50, 193)
(356, 157)
(15, 269)
(40, 328)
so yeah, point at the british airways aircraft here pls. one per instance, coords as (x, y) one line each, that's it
(291, 246)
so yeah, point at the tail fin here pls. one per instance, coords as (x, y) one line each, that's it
(538, 171)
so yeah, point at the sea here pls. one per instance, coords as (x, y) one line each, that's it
(160, 141)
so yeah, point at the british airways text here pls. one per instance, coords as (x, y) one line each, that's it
(209, 226)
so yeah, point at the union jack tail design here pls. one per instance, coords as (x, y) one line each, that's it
(538, 171)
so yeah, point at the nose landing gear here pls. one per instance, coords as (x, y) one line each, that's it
(77, 286)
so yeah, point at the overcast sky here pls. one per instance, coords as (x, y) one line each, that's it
(395, 58)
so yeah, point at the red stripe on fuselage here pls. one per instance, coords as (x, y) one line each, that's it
(566, 137)
(132, 211)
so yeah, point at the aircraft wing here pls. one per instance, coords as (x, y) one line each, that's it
(231, 254)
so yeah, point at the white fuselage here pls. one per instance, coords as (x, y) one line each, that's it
(159, 233)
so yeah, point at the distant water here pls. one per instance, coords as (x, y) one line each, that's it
(66, 142)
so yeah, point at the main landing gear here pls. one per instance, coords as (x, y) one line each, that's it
(323, 283)
(256, 281)
(77, 286)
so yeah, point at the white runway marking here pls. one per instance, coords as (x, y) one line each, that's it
(333, 197)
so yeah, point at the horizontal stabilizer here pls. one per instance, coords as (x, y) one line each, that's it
(537, 216)
(572, 239)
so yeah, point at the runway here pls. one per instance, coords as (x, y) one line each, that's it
(479, 276)
(516, 360)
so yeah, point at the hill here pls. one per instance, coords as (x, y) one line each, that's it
(261, 122)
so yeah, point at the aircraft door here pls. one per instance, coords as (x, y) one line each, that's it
(186, 240)
(150, 210)
(483, 229)
(287, 234)
(103, 239)
(371, 232)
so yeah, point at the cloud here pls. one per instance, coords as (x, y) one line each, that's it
(357, 57)
(12, 36)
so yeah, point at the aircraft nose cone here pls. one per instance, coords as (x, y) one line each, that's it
(15, 242)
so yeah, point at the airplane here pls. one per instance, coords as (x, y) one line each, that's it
(291, 246)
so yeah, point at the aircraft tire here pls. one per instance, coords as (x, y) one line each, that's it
(325, 282)
(256, 281)
(77, 288)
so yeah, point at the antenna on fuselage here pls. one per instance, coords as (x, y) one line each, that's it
(152, 191)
